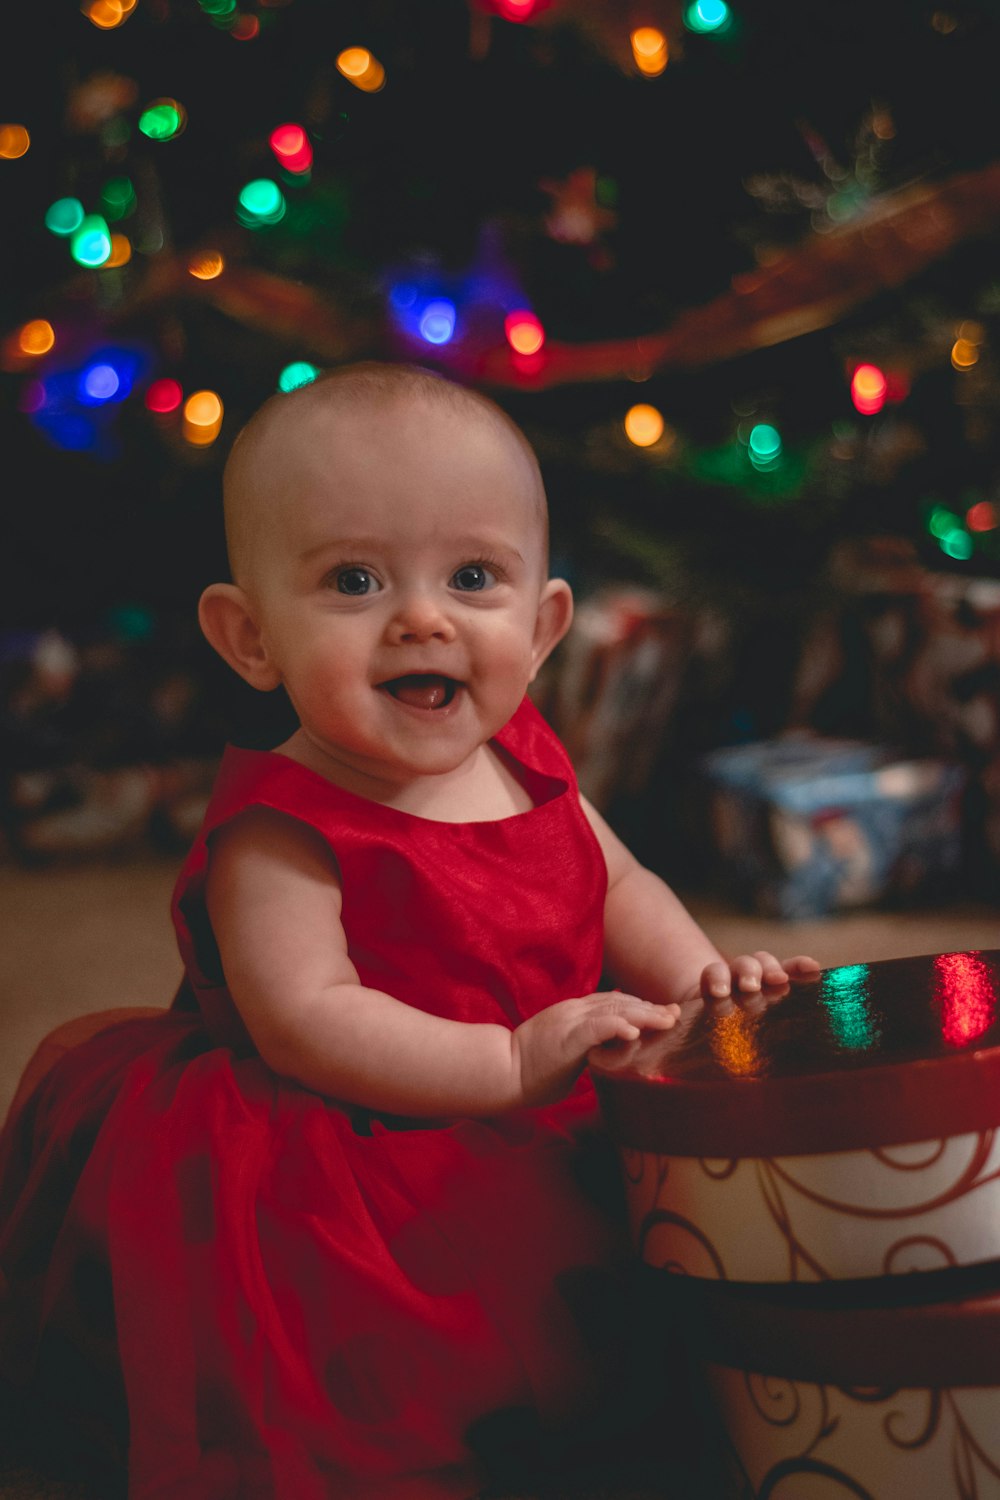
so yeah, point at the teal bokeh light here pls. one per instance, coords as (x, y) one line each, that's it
(299, 372)
(90, 244)
(706, 16)
(64, 216)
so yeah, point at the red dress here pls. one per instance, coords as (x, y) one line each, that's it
(294, 1298)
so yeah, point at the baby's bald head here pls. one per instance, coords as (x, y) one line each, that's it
(271, 452)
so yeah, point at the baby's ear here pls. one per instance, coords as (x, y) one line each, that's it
(228, 624)
(555, 615)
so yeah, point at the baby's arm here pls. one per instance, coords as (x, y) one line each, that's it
(274, 901)
(654, 947)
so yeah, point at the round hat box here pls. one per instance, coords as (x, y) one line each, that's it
(818, 1177)
(848, 1129)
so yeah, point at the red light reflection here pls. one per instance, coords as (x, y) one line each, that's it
(966, 992)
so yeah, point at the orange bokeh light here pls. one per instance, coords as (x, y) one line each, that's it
(964, 354)
(643, 425)
(202, 418)
(107, 14)
(525, 334)
(359, 67)
(649, 49)
(121, 251)
(36, 337)
(207, 265)
(14, 141)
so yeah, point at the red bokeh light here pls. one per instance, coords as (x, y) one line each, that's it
(290, 145)
(982, 516)
(164, 396)
(868, 389)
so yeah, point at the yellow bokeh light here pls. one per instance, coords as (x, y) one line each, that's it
(202, 418)
(207, 266)
(121, 251)
(14, 141)
(649, 48)
(643, 425)
(359, 67)
(971, 331)
(36, 337)
(964, 354)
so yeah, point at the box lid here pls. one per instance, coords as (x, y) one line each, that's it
(865, 1055)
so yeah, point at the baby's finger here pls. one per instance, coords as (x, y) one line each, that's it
(644, 1013)
(748, 972)
(716, 980)
(801, 967)
(773, 972)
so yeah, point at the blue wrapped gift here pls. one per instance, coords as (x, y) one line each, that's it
(806, 825)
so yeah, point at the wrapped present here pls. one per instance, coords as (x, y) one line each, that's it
(904, 655)
(805, 825)
(614, 685)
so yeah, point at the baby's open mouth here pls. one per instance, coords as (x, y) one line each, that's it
(423, 689)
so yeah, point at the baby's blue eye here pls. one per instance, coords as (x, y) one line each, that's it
(356, 581)
(472, 577)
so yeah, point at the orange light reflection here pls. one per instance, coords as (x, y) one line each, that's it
(734, 1043)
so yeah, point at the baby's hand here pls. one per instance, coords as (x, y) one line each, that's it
(549, 1050)
(754, 976)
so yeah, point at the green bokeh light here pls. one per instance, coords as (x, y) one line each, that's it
(957, 544)
(160, 122)
(707, 16)
(64, 216)
(764, 443)
(299, 372)
(942, 521)
(260, 202)
(118, 198)
(91, 242)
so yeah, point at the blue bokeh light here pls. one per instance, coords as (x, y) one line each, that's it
(99, 383)
(437, 322)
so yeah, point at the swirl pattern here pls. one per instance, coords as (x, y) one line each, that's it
(925, 1444)
(889, 1211)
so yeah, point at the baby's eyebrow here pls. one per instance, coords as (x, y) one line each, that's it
(345, 544)
(360, 545)
(473, 544)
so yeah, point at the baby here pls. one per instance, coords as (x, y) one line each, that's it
(388, 540)
(332, 1224)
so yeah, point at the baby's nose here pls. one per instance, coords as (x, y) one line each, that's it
(421, 618)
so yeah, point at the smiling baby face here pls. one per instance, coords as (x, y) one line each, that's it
(391, 549)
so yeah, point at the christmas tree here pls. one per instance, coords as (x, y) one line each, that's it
(732, 267)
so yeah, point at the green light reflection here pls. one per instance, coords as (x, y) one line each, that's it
(845, 994)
